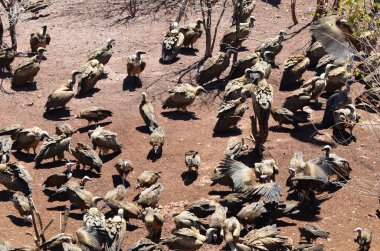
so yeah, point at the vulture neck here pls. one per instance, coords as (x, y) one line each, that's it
(327, 151)
(44, 29)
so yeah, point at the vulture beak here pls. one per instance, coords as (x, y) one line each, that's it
(263, 177)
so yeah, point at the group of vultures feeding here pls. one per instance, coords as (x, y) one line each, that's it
(244, 216)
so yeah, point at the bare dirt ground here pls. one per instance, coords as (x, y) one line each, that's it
(80, 26)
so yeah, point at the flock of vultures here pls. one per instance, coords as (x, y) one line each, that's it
(241, 220)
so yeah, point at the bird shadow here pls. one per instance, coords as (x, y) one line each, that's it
(48, 192)
(342, 137)
(228, 133)
(88, 94)
(117, 180)
(37, 17)
(306, 133)
(368, 108)
(188, 177)
(48, 165)
(218, 84)
(5, 195)
(154, 156)
(168, 62)
(189, 51)
(143, 129)
(104, 75)
(131, 83)
(274, 3)
(316, 106)
(285, 86)
(4, 75)
(280, 129)
(92, 127)
(180, 115)
(109, 156)
(57, 208)
(60, 114)
(76, 216)
(25, 157)
(250, 157)
(20, 222)
(219, 193)
(80, 173)
(30, 87)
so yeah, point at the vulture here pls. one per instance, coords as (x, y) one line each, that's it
(250, 213)
(234, 88)
(263, 65)
(185, 239)
(124, 167)
(145, 244)
(102, 54)
(273, 45)
(239, 67)
(232, 38)
(191, 33)
(214, 67)
(185, 219)
(150, 196)
(216, 224)
(26, 71)
(201, 208)
(105, 140)
(262, 98)
(294, 67)
(315, 52)
(62, 94)
(5, 148)
(11, 130)
(231, 230)
(297, 100)
(85, 238)
(244, 180)
(15, 178)
(363, 237)
(86, 156)
(39, 39)
(147, 179)
(266, 170)
(94, 114)
(7, 56)
(230, 113)
(62, 128)
(62, 194)
(35, 6)
(336, 102)
(29, 138)
(115, 196)
(147, 113)
(192, 160)
(153, 221)
(93, 217)
(336, 78)
(335, 34)
(182, 96)
(247, 9)
(116, 228)
(312, 232)
(135, 65)
(53, 147)
(59, 179)
(283, 116)
(22, 205)
(234, 146)
(316, 85)
(369, 99)
(346, 117)
(172, 43)
(91, 72)
(266, 238)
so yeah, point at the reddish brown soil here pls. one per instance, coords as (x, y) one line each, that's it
(77, 28)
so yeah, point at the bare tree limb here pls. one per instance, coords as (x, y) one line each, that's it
(182, 10)
(293, 8)
(217, 25)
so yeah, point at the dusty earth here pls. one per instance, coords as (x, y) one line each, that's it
(77, 27)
